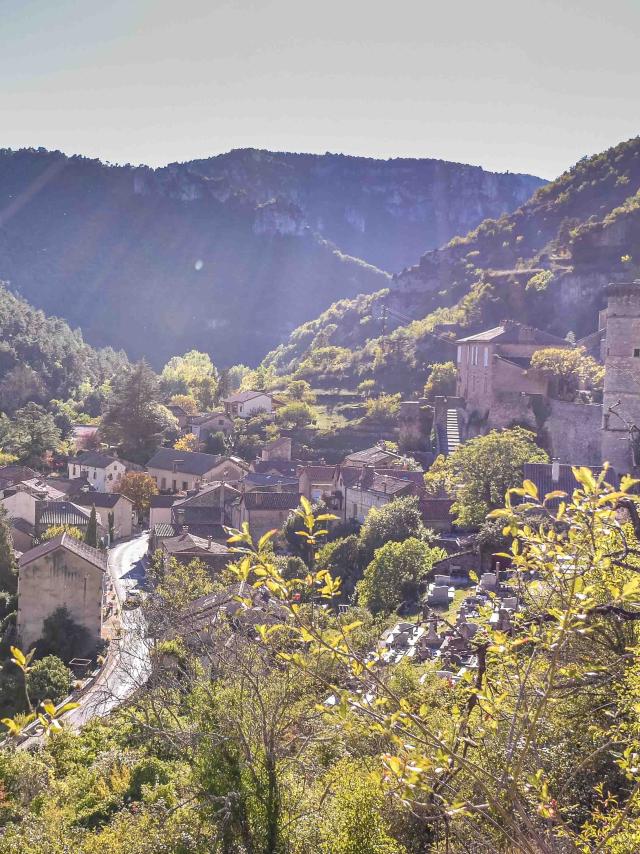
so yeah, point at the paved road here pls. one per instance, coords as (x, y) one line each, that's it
(128, 665)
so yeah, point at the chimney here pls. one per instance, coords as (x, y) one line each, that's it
(366, 478)
(555, 470)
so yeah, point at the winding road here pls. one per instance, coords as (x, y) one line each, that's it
(128, 663)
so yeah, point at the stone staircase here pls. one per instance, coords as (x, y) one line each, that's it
(453, 430)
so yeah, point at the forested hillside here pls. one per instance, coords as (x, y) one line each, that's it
(41, 357)
(545, 264)
(227, 255)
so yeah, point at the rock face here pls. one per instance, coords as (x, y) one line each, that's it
(229, 254)
(387, 212)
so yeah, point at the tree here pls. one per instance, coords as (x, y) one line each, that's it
(396, 521)
(34, 432)
(196, 372)
(216, 443)
(442, 380)
(139, 487)
(186, 401)
(393, 574)
(568, 369)
(134, 420)
(342, 559)
(63, 637)
(189, 442)
(383, 409)
(8, 565)
(91, 534)
(111, 521)
(54, 531)
(481, 470)
(236, 374)
(301, 390)
(295, 414)
(48, 679)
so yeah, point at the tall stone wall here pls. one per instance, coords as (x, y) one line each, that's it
(573, 432)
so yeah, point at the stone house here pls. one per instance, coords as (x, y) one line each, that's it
(101, 470)
(10, 475)
(373, 489)
(316, 482)
(498, 360)
(206, 510)
(263, 510)
(61, 573)
(181, 415)
(207, 423)
(244, 404)
(110, 502)
(370, 457)
(179, 471)
(278, 449)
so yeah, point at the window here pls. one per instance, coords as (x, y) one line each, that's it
(174, 485)
(474, 355)
(95, 474)
(486, 357)
(74, 471)
(163, 483)
(355, 511)
(110, 477)
(459, 355)
(185, 485)
(636, 353)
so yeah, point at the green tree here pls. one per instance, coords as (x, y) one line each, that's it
(134, 420)
(91, 534)
(366, 388)
(301, 390)
(393, 574)
(34, 432)
(442, 380)
(480, 471)
(216, 443)
(197, 373)
(48, 679)
(568, 370)
(383, 409)
(295, 414)
(342, 559)
(139, 487)
(186, 401)
(8, 565)
(396, 521)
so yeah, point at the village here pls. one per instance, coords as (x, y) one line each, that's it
(196, 497)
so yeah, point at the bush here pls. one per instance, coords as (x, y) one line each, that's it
(49, 679)
(383, 409)
(442, 380)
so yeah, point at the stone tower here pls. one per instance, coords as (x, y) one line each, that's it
(621, 401)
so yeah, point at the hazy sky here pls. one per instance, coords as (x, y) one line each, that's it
(524, 85)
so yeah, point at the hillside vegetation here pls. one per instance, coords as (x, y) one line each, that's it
(546, 264)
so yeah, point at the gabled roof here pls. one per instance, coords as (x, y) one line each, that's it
(271, 500)
(321, 474)
(187, 462)
(188, 542)
(14, 474)
(512, 332)
(100, 499)
(65, 541)
(95, 459)
(368, 457)
(205, 417)
(289, 467)
(164, 500)
(207, 491)
(244, 396)
(49, 513)
(254, 478)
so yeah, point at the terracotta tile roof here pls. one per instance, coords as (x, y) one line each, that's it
(541, 475)
(318, 473)
(100, 499)
(95, 459)
(186, 462)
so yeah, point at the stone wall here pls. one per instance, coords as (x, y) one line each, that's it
(55, 580)
(573, 432)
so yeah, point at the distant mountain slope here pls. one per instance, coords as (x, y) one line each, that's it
(203, 255)
(387, 212)
(547, 264)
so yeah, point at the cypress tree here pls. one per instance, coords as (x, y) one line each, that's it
(91, 537)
